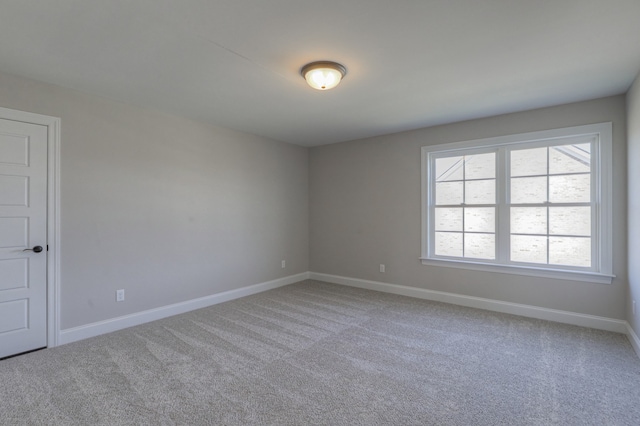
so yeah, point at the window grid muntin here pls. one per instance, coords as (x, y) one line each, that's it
(432, 201)
(508, 149)
(502, 207)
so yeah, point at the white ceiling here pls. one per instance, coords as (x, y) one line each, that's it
(411, 63)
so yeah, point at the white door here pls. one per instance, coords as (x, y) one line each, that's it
(23, 231)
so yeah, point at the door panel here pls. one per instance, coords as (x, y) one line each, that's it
(13, 232)
(15, 149)
(23, 225)
(14, 190)
(14, 316)
(14, 273)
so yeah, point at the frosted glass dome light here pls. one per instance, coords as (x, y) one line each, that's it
(323, 75)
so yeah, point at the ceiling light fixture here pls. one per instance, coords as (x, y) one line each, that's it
(323, 75)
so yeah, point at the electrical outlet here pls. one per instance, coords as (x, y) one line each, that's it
(120, 295)
(382, 268)
(284, 264)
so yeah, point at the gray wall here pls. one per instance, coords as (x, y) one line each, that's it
(166, 208)
(633, 122)
(171, 210)
(365, 210)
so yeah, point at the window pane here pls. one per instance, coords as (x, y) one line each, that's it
(449, 168)
(529, 162)
(480, 192)
(448, 219)
(480, 246)
(529, 220)
(480, 166)
(482, 219)
(570, 221)
(449, 193)
(521, 203)
(570, 189)
(528, 190)
(530, 249)
(570, 159)
(570, 251)
(448, 244)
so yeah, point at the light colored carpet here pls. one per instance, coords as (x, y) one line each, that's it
(318, 353)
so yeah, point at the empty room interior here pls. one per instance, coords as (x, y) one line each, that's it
(351, 212)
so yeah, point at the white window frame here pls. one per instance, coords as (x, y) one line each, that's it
(601, 192)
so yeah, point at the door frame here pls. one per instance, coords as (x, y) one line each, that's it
(53, 214)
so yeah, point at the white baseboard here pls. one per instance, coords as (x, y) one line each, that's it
(633, 338)
(566, 317)
(107, 326)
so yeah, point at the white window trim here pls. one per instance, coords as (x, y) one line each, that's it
(603, 194)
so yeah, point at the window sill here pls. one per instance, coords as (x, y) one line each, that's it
(592, 277)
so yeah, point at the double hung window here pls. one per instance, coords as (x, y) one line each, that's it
(536, 204)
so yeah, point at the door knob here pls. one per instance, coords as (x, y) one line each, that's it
(36, 249)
